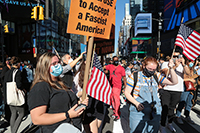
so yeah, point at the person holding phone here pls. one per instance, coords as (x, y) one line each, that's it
(50, 102)
(94, 112)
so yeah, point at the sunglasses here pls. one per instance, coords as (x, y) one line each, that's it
(175, 56)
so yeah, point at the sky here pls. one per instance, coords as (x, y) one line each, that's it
(120, 5)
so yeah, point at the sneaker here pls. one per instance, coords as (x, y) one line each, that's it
(162, 129)
(171, 128)
(116, 118)
(188, 119)
(179, 120)
(112, 116)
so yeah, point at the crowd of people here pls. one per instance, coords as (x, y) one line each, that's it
(154, 89)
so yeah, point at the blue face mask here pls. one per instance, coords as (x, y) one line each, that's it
(57, 70)
(191, 64)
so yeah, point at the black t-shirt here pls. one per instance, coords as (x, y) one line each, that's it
(57, 101)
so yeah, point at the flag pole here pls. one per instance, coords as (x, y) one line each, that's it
(92, 60)
(56, 52)
(173, 50)
(87, 67)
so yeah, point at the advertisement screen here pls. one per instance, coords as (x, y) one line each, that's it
(177, 10)
(182, 4)
(143, 23)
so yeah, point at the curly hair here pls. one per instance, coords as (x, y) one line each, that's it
(149, 59)
(42, 72)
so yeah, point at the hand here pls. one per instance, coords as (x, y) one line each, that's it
(171, 63)
(193, 80)
(81, 56)
(177, 62)
(72, 113)
(85, 101)
(139, 106)
(182, 60)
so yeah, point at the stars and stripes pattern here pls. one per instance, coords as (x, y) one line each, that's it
(189, 40)
(98, 86)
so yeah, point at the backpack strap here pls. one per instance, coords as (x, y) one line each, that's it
(14, 73)
(135, 77)
(156, 78)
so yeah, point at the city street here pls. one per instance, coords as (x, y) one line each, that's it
(122, 126)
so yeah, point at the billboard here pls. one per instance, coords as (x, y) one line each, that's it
(143, 23)
(175, 10)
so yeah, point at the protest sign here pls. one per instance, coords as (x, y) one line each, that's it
(105, 46)
(91, 17)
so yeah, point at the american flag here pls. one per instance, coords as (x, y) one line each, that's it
(189, 40)
(98, 86)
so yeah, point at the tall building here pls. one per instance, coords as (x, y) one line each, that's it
(126, 9)
(135, 7)
(125, 30)
(26, 35)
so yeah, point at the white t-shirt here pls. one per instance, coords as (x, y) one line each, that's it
(180, 72)
(197, 69)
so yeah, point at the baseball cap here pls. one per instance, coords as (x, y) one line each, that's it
(9, 58)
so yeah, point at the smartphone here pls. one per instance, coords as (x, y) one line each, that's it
(80, 106)
(180, 56)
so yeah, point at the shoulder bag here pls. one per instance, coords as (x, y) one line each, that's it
(14, 95)
(62, 128)
(189, 86)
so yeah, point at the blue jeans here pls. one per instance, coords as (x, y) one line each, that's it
(185, 101)
(140, 120)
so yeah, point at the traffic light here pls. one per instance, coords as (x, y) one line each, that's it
(41, 13)
(34, 13)
(6, 29)
(158, 50)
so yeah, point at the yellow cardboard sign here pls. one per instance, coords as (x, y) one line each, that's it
(91, 17)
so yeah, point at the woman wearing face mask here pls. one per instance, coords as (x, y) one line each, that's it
(145, 110)
(186, 96)
(50, 102)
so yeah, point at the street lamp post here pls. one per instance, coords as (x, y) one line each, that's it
(159, 29)
(2, 38)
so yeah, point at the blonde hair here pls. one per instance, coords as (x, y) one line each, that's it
(42, 73)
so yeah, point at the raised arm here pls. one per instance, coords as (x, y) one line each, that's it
(174, 78)
(74, 62)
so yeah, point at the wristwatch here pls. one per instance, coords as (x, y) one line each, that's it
(184, 65)
(67, 114)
